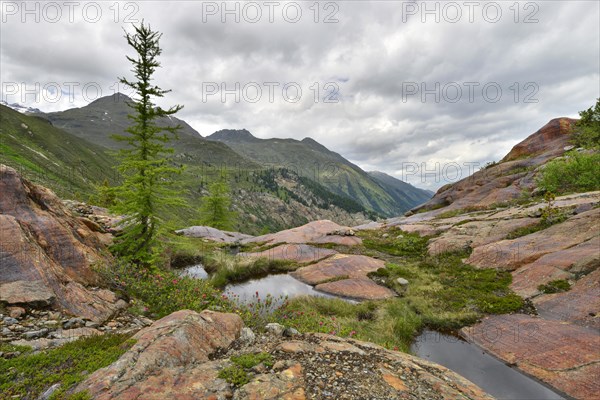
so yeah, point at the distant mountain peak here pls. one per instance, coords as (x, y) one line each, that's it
(20, 108)
(232, 135)
(115, 98)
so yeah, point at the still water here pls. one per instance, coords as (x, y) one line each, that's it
(487, 372)
(277, 286)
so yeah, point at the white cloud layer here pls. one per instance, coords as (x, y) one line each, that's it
(409, 90)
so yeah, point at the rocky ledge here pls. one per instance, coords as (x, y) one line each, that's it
(187, 355)
(42, 329)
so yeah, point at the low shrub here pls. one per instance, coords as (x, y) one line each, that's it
(576, 172)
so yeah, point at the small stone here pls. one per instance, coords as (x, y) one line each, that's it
(16, 312)
(10, 321)
(290, 332)
(247, 336)
(385, 235)
(54, 315)
(275, 328)
(402, 281)
(35, 334)
(260, 368)
(51, 324)
(91, 324)
(49, 392)
(279, 365)
(73, 323)
(121, 304)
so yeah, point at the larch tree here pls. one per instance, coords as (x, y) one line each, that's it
(215, 208)
(146, 190)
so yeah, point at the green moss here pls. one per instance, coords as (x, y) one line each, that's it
(252, 359)
(30, 374)
(556, 286)
(396, 243)
(236, 375)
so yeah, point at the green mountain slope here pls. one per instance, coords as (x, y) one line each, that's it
(402, 192)
(71, 166)
(266, 199)
(312, 160)
(106, 116)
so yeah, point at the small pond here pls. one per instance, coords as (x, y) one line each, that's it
(489, 373)
(194, 271)
(278, 286)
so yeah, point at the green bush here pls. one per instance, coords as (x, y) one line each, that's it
(236, 375)
(576, 172)
(587, 134)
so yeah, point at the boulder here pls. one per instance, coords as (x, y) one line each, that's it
(580, 305)
(30, 293)
(301, 253)
(476, 233)
(210, 233)
(159, 365)
(356, 288)
(561, 264)
(337, 266)
(313, 232)
(44, 244)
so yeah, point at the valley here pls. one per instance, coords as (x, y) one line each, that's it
(467, 268)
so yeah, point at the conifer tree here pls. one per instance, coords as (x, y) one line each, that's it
(146, 190)
(215, 209)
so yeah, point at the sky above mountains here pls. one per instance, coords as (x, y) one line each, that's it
(425, 91)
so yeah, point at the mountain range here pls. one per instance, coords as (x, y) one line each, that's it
(276, 183)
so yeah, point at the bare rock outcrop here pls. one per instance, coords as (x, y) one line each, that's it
(565, 356)
(44, 245)
(505, 181)
(322, 231)
(181, 356)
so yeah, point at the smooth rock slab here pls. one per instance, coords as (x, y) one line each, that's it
(313, 232)
(476, 233)
(356, 288)
(580, 305)
(563, 355)
(562, 264)
(301, 253)
(512, 254)
(210, 233)
(339, 265)
(151, 369)
(33, 293)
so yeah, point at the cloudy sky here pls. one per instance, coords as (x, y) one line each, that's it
(408, 88)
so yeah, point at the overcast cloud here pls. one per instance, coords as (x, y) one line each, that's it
(371, 59)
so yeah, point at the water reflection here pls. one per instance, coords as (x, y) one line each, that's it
(195, 271)
(277, 286)
(489, 373)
